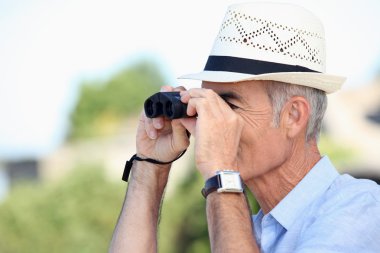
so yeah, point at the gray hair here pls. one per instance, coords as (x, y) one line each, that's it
(279, 93)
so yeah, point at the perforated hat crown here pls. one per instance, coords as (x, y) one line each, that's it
(269, 41)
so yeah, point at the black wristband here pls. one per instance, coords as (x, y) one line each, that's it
(211, 185)
(128, 164)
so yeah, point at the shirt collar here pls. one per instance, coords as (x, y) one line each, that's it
(316, 181)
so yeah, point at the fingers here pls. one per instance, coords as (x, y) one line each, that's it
(158, 123)
(198, 93)
(149, 128)
(202, 101)
(194, 106)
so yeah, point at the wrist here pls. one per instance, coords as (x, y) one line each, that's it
(166, 158)
(135, 157)
(209, 170)
(150, 176)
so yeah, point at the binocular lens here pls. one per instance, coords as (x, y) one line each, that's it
(152, 109)
(169, 109)
(149, 108)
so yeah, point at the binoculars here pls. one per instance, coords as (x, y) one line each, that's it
(166, 104)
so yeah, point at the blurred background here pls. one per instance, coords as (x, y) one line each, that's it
(73, 77)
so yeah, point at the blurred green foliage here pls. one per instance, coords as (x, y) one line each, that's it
(103, 104)
(76, 215)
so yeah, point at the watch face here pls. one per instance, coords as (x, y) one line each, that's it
(230, 181)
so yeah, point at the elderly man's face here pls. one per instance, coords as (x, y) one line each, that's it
(262, 147)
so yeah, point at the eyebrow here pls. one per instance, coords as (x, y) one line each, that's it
(230, 94)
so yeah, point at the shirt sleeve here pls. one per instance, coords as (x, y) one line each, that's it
(348, 227)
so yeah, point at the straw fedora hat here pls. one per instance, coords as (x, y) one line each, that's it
(269, 41)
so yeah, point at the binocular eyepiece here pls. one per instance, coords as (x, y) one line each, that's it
(166, 104)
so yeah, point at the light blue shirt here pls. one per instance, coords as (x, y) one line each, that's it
(325, 212)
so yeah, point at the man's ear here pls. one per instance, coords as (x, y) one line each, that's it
(295, 115)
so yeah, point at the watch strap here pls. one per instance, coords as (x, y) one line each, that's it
(211, 185)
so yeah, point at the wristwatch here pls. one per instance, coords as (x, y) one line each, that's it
(223, 181)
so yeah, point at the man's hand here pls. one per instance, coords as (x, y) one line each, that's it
(160, 138)
(217, 131)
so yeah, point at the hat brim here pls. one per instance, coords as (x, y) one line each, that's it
(325, 82)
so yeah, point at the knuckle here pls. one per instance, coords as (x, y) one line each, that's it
(155, 120)
(148, 124)
(148, 120)
(190, 91)
(202, 101)
(179, 88)
(209, 92)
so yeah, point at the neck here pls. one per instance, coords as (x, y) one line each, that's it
(271, 187)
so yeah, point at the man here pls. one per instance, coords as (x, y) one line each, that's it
(259, 114)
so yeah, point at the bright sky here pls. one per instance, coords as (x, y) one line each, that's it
(47, 47)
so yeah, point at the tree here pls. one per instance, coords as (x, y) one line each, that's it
(102, 106)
